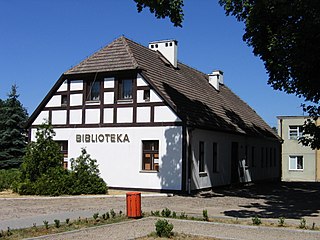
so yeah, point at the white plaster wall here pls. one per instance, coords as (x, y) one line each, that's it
(108, 98)
(108, 115)
(63, 87)
(108, 83)
(141, 82)
(42, 117)
(224, 141)
(120, 163)
(143, 114)
(92, 116)
(75, 99)
(76, 85)
(55, 101)
(164, 114)
(140, 96)
(75, 116)
(59, 117)
(124, 115)
(154, 97)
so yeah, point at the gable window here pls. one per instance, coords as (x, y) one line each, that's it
(64, 100)
(215, 157)
(296, 163)
(201, 156)
(295, 132)
(146, 95)
(150, 155)
(93, 91)
(125, 89)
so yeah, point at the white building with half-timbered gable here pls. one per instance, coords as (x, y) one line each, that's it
(155, 123)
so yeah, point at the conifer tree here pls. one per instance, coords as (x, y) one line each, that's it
(13, 117)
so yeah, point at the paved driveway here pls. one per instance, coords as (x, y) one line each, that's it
(290, 200)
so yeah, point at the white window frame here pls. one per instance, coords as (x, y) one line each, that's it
(296, 130)
(294, 159)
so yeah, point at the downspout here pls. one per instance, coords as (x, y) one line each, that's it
(189, 158)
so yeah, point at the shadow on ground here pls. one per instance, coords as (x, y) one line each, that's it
(289, 200)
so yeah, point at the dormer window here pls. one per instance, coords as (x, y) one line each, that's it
(93, 91)
(125, 89)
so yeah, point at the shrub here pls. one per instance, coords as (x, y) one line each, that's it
(46, 224)
(8, 178)
(85, 174)
(174, 214)
(113, 213)
(166, 212)
(57, 223)
(281, 221)
(163, 228)
(256, 220)
(205, 215)
(303, 223)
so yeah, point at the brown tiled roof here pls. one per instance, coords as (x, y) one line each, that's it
(185, 89)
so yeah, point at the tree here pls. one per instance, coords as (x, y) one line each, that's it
(164, 8)
(13, 134)
(285, 34)
(42, 155)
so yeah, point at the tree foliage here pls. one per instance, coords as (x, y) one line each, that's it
(285, 34)
(42, 171)
(163, 9)
(41, 155)
(13, 117)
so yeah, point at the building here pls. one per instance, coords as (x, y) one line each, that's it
(299, 163)
(155, 123)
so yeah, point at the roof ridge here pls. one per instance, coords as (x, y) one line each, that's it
(134, 61)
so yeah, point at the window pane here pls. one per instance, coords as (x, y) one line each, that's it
(126, 89)
(299, 162)
(292, 163)
(95, 91)
(201, 156)
(150, 157)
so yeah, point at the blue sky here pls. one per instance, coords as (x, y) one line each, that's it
(41, 39)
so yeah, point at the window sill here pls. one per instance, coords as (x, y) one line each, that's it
(148, 171)
(295, 170)
(93, 102)
(125, 101)
(203, 174)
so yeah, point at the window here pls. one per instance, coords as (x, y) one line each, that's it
(201, 156)
(150, 151)
(274, 157)
(146, 95)
(252, 157)
(215, 157)
(262, 156)
(295, 162)
(93, 91)
(64, 151)
(125, 89)
(64, 100)
(295, 132)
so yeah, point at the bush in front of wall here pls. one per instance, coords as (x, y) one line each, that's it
(43, 174)
(164, 228)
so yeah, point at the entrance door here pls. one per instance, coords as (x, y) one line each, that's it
(234, 162)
